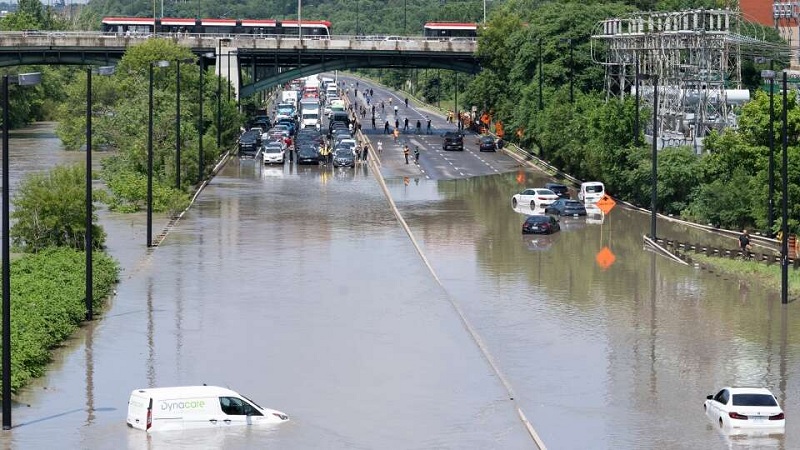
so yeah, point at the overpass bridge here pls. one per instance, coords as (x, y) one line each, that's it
(262, 61)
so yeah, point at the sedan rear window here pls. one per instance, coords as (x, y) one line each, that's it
(754, 400)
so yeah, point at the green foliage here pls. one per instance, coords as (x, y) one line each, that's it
(48, 292)
(120, 120)
(50, 211)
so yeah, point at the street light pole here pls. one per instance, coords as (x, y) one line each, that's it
(88, 244)
(770, 75)
(25, 79)
(568, 41)
(654, 175)
(89, 238)
(785, 203)
(150, 152)
(219, 98)
(405, 14)
(201, 125)
(6, 270)
(541, 78)
(178, 124)
(150, 159)
(300, 21)
(636, 117)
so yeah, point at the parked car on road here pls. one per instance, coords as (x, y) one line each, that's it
(308, 154)
(487, 144)
(745, 408)
(343, 157)
(540, 225)
(537, 198)
(453, 141)
(565, 207)
(249, 143)
(274, 153)
(559, 189)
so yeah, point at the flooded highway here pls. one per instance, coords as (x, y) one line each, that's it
(297, 287)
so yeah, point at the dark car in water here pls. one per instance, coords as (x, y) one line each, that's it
(249, 143)
(343, 157)
(559, 189)
(566, 207)
(453, 141)
(540, 224)
(487, 144)
(308, 154)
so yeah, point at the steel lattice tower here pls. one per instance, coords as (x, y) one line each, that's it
(696, 56)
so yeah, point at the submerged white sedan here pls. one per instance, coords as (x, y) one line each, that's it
(745, 408)
(536, 198)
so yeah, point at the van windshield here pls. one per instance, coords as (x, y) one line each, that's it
(252, 402)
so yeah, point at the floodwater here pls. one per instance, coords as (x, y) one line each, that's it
(297, 287)
(619, 357)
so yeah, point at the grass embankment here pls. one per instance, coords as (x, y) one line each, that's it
(757, 272)
(47, 304)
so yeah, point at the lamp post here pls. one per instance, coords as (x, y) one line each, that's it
(299, 21)
(23, 79)
(636, 117)
(150, 152)
(89, 238)
(178, 120)
(356, 17)
(405, 14)
(568, 41)
(654, 169)
(785, 203)
(770, 75)
(541, 78)
(200, 156)
(219, 94)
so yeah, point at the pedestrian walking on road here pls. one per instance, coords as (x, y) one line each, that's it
(406, 102)
(405, 124)
(419, 127)
(380, 147)
(405, 152)
(364, 152)
(373, 122)
(386, 127)
(396, 134)
(429, 125)
(396, 122)
(416, 154)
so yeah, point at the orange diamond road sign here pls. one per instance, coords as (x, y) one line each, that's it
(606, 204)
(605, 258)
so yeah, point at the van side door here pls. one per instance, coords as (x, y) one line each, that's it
(238, 411)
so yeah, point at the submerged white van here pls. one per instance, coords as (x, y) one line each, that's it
(591, 191)
(187, 407)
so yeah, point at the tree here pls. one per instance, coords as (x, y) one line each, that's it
(50, 211)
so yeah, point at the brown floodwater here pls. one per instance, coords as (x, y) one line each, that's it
(297, 287)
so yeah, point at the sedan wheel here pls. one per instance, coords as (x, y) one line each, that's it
(533, 204)
(513, 203)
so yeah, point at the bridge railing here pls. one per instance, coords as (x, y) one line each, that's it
(343, 37)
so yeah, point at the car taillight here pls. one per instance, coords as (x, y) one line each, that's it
(776, 417)
(735, 415)
(149, 418)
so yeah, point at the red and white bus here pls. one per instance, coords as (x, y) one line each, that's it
(148, 25)
(447, 30)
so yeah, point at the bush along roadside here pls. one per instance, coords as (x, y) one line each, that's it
(47, 304)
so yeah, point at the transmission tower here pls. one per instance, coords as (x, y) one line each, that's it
(695, 56)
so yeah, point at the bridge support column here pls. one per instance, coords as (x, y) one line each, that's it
(228, 68)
